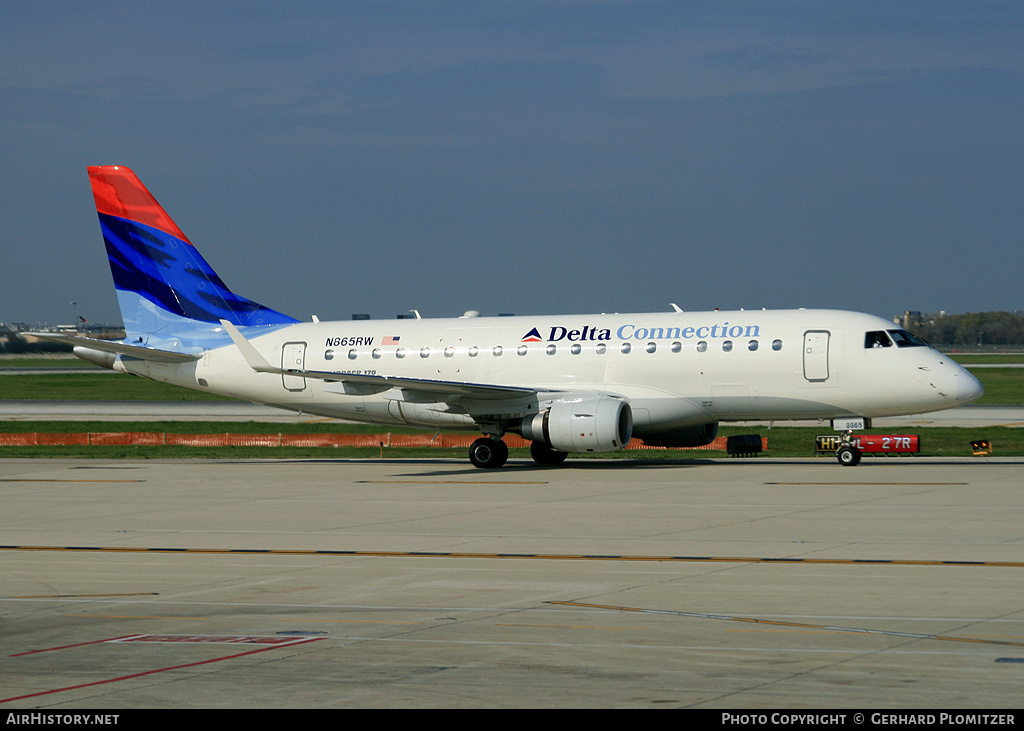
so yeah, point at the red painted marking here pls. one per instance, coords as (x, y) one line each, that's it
(67, 647)
(212, 639)
(291, 641)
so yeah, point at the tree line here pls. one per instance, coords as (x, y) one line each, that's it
(971, 328)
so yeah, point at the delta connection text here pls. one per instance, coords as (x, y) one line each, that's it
(630, 331)
(873, 719)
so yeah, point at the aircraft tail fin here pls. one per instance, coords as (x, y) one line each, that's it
(164, 286)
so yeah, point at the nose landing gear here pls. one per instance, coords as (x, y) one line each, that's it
(848, 454)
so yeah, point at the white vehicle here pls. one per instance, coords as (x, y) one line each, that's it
(567, 383)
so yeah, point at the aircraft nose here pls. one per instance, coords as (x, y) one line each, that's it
(968, 388)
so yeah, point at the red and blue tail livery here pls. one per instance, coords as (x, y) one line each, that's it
(163, 283)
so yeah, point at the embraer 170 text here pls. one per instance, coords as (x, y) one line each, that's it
(567, 383)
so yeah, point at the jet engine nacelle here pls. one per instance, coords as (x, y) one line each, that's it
(600, 423)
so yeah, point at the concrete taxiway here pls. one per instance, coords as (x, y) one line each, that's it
(327, 583)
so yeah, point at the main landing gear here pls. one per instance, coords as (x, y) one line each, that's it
(490, 453)
(545, 455)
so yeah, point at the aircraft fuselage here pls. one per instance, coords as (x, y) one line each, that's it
(675, 369)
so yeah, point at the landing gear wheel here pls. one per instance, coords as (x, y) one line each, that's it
(848, 456)
(488, 453)
(545, 455)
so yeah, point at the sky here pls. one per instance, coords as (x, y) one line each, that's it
(524, 156)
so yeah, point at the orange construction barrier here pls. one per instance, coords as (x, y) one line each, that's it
(32, 439)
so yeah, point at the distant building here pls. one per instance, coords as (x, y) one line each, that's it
(909, 319)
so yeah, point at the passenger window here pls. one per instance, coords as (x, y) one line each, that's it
(752, 345)
(352, 354)
(521, 350)
(677, 347)
(497, 350)
(727, 346)
(651, 347)
(400, 353)
(600, 348)
(473, 351)
(375, 353)
(877, 339)
(576, 349)
(449, 351)
(551, 349)
(424, 352)
(328, 355)
(702, 346)
(776, 345)
(625, 348)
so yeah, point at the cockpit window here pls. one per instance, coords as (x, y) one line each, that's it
(877, 339)
(904, 339)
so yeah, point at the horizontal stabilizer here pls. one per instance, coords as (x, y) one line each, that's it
(110, 346)
(441, 388)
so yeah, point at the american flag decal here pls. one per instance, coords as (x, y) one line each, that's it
(391, 340)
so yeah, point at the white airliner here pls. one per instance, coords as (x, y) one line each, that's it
(567, 383)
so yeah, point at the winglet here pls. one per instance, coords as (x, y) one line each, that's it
(252, 356)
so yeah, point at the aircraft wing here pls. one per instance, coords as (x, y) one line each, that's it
(111, 346)
(373, 383)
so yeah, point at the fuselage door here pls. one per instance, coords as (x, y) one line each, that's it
(816, 355)
(293, 355)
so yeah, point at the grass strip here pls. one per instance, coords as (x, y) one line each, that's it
(101, 386)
